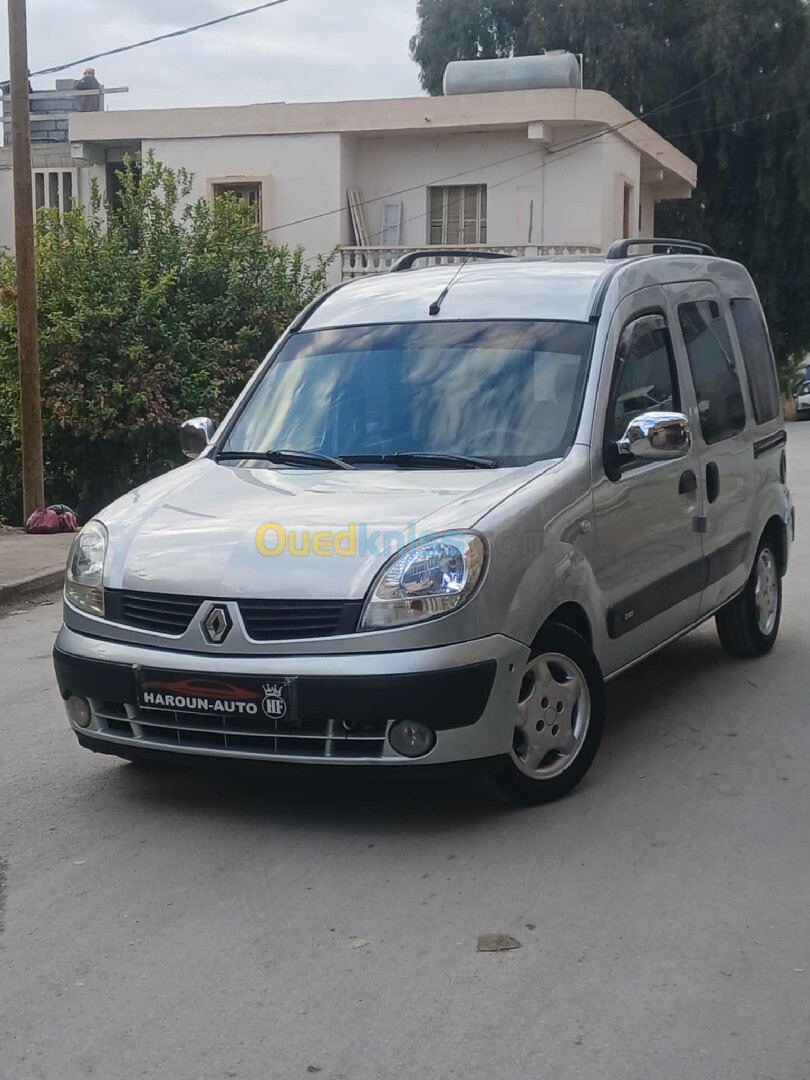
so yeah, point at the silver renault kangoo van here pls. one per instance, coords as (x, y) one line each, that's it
(450, 504)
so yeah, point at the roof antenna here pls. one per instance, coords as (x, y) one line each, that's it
(436, 307)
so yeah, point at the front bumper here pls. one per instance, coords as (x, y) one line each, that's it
(465, 692)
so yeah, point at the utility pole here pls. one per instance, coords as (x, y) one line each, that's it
(27, 331)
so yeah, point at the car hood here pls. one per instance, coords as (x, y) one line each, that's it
(195, 531)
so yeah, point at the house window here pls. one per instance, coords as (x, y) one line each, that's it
(249, 192)
(458, 215)
(54, 189)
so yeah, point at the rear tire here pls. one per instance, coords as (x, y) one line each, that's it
(559, 721)
(749, 625)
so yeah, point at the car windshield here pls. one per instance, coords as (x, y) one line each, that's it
(507, 393)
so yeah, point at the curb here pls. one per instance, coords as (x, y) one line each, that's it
(30, 586)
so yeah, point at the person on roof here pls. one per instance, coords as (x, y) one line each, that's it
(92, 102)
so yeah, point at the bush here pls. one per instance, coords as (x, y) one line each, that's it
(148, 314)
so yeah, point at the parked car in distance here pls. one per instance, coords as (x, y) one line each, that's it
(803, 401)
(449, 505)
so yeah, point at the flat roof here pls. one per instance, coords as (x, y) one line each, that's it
(569, 113)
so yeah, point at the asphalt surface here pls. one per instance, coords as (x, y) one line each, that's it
(199, 926)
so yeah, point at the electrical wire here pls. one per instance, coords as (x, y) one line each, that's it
(560, 154)
(565, 152)
(161, 37)
(670, 105)
(575, 148)
(402, 191)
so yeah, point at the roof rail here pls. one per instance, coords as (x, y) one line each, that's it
(405, 262)
(621, 248)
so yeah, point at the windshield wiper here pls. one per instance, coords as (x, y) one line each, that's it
(423, 461)
(302, 458)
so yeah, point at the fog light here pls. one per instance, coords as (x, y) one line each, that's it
(79, 711)
(411, 739)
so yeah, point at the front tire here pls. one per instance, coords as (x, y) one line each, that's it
(749, 625)
(559, 721)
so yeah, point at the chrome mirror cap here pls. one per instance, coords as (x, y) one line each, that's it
(195, 435)
(657, 436)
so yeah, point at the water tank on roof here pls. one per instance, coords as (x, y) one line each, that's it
(552, 71)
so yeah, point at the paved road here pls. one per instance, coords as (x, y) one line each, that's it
(193, 927)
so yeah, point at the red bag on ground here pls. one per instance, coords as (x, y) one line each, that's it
(53, 519)
(43, 521)
(68, 522)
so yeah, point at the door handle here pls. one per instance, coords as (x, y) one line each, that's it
(712, 482)
(688, 483)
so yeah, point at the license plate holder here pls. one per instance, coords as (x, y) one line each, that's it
(270, 698)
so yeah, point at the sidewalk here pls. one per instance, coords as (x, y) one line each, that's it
(30, 564)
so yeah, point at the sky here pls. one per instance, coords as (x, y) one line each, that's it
(304, 50)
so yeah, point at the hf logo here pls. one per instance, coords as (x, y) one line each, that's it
(274, 705)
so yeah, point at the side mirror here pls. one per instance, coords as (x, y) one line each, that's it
(656, 436)
(195, 435)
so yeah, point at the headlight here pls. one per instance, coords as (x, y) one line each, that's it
(84, 580)
(432, 578)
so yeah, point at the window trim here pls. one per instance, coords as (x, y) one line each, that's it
(481, 223)
(213, 182)
(615, 469)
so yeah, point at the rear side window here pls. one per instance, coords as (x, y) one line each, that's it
(714, 373)
(756, 350)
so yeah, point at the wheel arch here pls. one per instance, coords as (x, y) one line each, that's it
(777, 532)
(574, 617)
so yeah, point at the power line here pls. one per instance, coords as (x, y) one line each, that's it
(404, 191)
(560, 154)
(737, 123)
(161, 37)
(574, 147)
(777, 29)
(401, 191)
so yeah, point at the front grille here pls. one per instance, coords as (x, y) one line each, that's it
(277, 620)
(265, 620)
(152, 611)
(240, 736)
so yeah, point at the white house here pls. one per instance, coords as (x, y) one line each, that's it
(530, 170)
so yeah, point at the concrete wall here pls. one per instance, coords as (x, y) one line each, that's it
(44, 127)
(621, 164)
(43, 157)
(575, 184)
(380, 166)
(536, 195)
(302, 174)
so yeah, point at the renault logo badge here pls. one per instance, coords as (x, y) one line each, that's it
(217, 625)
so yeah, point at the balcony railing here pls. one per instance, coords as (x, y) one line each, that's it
(363, 261)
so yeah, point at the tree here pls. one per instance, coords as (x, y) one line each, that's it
(745, 121)
(150, 313)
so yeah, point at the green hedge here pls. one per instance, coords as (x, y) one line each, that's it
(148, 314)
